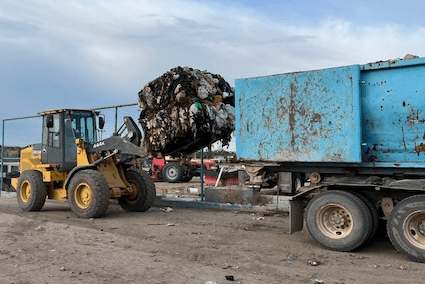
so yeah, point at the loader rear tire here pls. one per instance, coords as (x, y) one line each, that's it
(143, 195)
(88, 194)
(31, 191)
(172, 172)
(339, 220)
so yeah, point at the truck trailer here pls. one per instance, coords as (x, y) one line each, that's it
(347, 144)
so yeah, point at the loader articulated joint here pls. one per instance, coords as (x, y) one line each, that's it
(89, 166)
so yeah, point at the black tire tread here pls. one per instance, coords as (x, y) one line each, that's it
(179, 171)
(145, 201)
(373, 211)
(100, 191)
(39, 190)
(336, 244)
(395, 222)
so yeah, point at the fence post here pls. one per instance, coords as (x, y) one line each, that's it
(116, 119)
(202, 175)
(2, 158)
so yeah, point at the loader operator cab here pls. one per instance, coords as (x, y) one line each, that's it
(60, 130)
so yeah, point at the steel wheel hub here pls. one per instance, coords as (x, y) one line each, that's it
(335, 221)
(83, 195)
(134, 192)
(25, 191)
(172, 173)
(414, 228)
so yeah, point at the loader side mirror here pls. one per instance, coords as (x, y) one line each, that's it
(49, 121)
(101, 122)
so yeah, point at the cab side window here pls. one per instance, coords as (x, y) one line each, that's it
(51, 135)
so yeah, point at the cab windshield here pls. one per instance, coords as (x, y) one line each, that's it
(82, 125)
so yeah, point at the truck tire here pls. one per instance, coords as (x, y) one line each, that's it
(31, 191)
(143, 195)
(406, 227)
(172, 172)
(338, 220)
(88, 194)
(373, 212)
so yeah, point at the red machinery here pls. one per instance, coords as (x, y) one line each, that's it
(175, 170)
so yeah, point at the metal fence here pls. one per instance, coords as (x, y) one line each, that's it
(24, 131)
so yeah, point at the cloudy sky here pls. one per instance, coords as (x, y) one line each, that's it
(93, 53)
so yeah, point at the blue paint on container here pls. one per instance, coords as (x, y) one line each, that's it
(370, 115)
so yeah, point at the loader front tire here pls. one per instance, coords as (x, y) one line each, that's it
(88, 194)
(143, 195)
(31, 191)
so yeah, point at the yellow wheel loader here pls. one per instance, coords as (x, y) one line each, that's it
(72, 164)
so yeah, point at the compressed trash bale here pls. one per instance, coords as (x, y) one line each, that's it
(185, 110)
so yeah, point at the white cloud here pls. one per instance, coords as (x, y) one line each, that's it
(120, 39)
(107, 50)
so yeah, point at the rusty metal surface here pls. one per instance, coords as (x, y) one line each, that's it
(393, 112)
(370, 115)
(311, 116)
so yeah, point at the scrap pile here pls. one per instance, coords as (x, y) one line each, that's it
(185, 110)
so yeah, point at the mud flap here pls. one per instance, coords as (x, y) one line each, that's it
(296, 215)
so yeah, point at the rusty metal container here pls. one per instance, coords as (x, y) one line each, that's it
(370, 115)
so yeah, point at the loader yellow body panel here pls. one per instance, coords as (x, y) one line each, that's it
(114, 176)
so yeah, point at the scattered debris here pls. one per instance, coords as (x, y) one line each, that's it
(170, 225)
(192, 190)
(39, 228)
(185, 110)
(317, 281)
(166, 210)
(410, 56)
(290, 259)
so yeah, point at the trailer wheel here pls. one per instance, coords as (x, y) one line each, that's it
(406, 227)
(338, 220)
(88, 194)
(31, 192)
(172, 172)
(374, 214)
(143, 195)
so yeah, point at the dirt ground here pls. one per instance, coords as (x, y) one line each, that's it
(183, 246)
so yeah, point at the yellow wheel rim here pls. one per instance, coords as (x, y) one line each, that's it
(25, 191)
(414, 229)
(83, 195)
(134, 193)
(335, 221)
